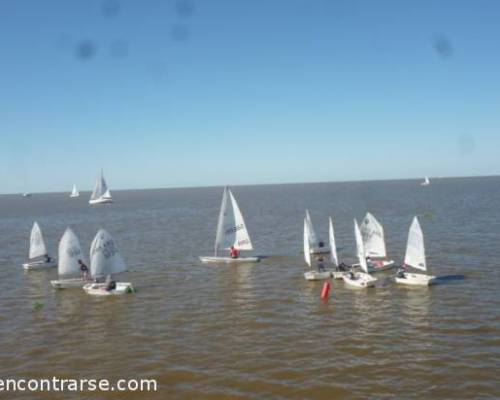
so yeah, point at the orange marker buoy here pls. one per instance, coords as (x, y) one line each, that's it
(325, 291)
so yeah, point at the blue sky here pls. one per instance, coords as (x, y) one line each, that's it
(195, 93)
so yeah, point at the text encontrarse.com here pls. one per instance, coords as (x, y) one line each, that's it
(56, 384)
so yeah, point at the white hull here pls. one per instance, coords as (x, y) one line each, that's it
(99, 289)
(317, 275)
(360, 280)
(229, 260)
(74, 195)
(415, 279)
(102, 200)
(69, 283)
(338, 274)
(320, 250)
(39, 265)
(376, 266)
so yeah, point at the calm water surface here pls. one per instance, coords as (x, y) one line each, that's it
(261, 331)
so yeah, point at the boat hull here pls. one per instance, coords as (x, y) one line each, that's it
(415, 279)
(104, 200)
(317, 275)
(39, 265)
(229, 260)
(360, 280)
(68, 283)
(320, 250)
(99, 289)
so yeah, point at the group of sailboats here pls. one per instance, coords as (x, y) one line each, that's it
(105, 261)
(100, 194)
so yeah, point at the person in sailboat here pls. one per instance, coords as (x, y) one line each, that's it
(344, 267)
(84, 270)
(110, 283)
(234, 252)
(401, 271)
(47, 258)
(321, 264)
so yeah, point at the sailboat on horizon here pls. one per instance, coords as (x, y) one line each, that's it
(101, 193)
(426, 181)
(74, 192)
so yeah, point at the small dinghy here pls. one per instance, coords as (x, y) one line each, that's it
(316, 246)
(68, 267)
(26, 194)
(415, 258)
(101, 193)
(359, 279)
(313, 275)
(74, 192)
(38, 256)
(231, 232)
(372, 233)
(105, 260)
(426, 182)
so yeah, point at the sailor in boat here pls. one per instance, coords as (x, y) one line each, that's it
(401, 271)
(321, 264)
(234, 252)
(84, 270)
(48, 259)
(110, 283)
(344, 267)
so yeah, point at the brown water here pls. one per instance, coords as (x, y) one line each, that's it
(261, 331)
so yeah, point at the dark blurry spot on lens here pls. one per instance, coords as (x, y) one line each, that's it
(180, 33)
(110, 8)
(466, 144)
(85, 49)
(119, 49)
(443, 47)
(184, 8)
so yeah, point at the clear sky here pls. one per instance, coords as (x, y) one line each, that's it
(212, 92)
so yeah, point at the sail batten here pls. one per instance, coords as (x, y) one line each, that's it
(415, 248)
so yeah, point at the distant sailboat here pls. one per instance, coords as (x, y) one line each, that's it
(106, 260)
(231, 231)
(101, 193)
(415, 258)
(372, 233)
(74, 192)
(426, 181)
(359, 279)
(27, 194)
(316, 246)
(38, 255)
(68, 268)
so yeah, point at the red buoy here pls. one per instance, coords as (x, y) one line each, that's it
(325, 291)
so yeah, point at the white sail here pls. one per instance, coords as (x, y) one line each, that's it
(74, 192)
(37, 244)
(415, 249)
(313, 241)
(307, 248)
(333, 247)
(69, 254)
(100, 189)
(372, 233)
(360, 248)
(105, 259)
(231, 228)
(426, 180)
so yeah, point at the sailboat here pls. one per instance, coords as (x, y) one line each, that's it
(316, 246)
(101, 193)
(313, 275)
(74, 192)
(106, 260)
(68, 267)
(359, 279)
(38, 256)
(426, 182)
(415, 258)
(372, 233)
(231, 231)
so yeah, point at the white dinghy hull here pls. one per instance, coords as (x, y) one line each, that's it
(69, 283)
(414, 279)
(317, 276)
(229, 260)
(99, 289)
(380, 265)
(101, 201)
(36, 265)
(360, 280)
